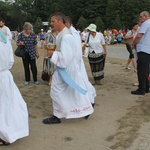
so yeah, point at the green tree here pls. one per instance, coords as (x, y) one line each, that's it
(112, 11)
(44, 8)
(81, 24)
(120, 13)
(93, 9)
(100, 24)
(38, 25)
(124, 11)
(117, 23)
(4, 9)
(22, 11)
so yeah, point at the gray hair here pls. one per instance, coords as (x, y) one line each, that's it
(59, 16)
(146, 14)
(27, 26)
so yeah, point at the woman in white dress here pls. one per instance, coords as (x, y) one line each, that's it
(13, 109)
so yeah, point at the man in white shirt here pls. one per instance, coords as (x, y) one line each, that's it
(143, 52)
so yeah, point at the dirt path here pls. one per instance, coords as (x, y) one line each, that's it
(119, 122)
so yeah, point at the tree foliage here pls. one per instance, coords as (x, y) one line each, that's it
(38, 25)
(104, 13)
(81, 24)
(100, 24)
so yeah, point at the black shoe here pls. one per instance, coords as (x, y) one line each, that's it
(3, 143)
(137, 92)
(52, 120)
(93, 105)
(86, 117)
(147, 91)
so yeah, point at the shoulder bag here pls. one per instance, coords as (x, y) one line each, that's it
(20, 50)
(127, 41)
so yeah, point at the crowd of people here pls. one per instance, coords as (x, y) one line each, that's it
(114, 36)
(72, 94)
(111, 36)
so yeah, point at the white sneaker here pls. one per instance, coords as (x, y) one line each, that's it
(136, 84)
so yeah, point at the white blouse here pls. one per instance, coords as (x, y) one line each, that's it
(95, 43)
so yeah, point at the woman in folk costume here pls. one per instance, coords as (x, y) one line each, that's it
(13, 109)
(68, 101)
(97, 53)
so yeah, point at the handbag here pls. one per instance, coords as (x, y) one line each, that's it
(20, 50)
(127, 41)
(45, 76)
(87, 48)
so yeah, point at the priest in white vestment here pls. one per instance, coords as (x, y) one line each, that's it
(13, 109)
(77, 39)
(67, 102)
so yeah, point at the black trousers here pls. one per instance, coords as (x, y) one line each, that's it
(130, 51)
(143, 70)
(28, 63)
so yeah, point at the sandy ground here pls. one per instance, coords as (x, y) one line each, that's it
(120, 120)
